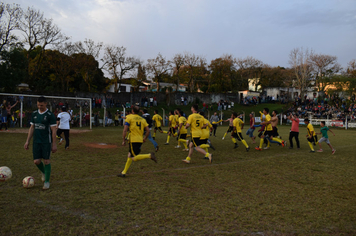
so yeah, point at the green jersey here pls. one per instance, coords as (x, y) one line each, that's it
(324, 131)
(42, 123)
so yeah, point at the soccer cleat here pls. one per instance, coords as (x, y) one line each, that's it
(320, 150)
(67, 148)
(266, 148)
(236, 145)
(60, 141)
(283, 144)
(223, 138)
(153, 157)
(258, 148)
(210, 158)
(290, 147)
(186, 161)
(312, 151)
(157, 148)
(121, 175)
(45, 186)
(177, 146)
(43, 177)
(333, 151)
(247, 149)
(166, 144)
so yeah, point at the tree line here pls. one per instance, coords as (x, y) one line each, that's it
(34, 50)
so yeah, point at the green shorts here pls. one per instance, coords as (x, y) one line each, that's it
(42, 151)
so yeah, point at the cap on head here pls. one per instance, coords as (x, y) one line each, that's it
(64, 108)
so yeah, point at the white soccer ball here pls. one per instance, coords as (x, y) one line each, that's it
(5, 173)
(28, 182)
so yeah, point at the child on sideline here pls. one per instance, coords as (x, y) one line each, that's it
(325, 138)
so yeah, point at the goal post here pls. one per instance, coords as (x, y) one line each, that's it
(54, 97)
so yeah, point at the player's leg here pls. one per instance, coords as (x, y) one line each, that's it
(291, 135)
(191, 149)
(66, 136)
(310, 140)
(37, 159)
(240, 138)
(46, 154)
(297, 139)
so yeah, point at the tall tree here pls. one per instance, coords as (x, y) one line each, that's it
(178, 63)
(158, 67)
(118, 64)
(221, 70)
(191, 63)
(249, 68)
(299, 59)
(10, 15)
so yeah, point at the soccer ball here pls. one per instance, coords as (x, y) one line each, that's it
(5, 173)
(28, 182)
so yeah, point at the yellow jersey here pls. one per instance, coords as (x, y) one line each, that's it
(177, 119)
(136, 125)
(310, 129)
(157, 119)
(237, 123)
(206, 131)
(268, 126)
(182, 120)
(172, 119)
(196, 122)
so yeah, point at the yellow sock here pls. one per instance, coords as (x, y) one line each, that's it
(268, 143)
(188, 158)
(261, 143)
(165, 132)
(225, 135)
(168, 138)
(154, 135)
(311, 146)
(141, 157)
(207, 154)
(127, 166)
(205, 146)
(277, 139)
(245, 143)
(233, 140)
(184, 141)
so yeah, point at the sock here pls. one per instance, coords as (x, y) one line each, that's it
(47, 172)
(154, 135)
(41, 167)
(277, 140)
(141, 157)
(188, 158)
(225, 135)
(168, 138)
(165, 132)
(207, 154)
(311, 146)
(203, 146)
(268, 143)
(245, 143)
(184, 141)
(261, 142)
(127, 165)
(234, 140)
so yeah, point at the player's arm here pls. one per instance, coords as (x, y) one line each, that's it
(124, 133)
(147, 133)
(332, 132)
(29, 136)
(54, 144)
(180, 127)
(187, 125)
(14, 105)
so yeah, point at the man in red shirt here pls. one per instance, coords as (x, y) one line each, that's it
(294, 131)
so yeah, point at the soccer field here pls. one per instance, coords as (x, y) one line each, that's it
(279, 191)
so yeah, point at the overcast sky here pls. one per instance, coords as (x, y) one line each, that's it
(264, 29)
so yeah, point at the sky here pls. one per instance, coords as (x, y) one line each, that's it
(264, 29)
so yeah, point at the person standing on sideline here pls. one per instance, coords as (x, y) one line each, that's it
(43, 131)
(311, 136)
(294, 131)
(63, 126)
(252, 128)
(196, 123)
(148, 119)
(214, 119)
(136, 125)
(6, 111)
(325, 138)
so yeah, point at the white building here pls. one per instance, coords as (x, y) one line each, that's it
(124, 88)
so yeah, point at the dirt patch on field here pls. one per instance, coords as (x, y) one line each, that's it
(100, 145)
(25, 131)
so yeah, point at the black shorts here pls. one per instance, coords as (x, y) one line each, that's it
(196, 141)
(268, 133)
(172, 130)
(238, 136)
(134, 149)
(158, 128)
(203, 141)
(182, 136)
(275, 132)
(230, 129)
(215, 126)
(313, 139)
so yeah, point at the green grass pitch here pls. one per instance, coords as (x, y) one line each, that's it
(279, 191)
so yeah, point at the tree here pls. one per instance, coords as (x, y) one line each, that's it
(221, 72)
(139, 77)
(118, 64)
(158, 67)
(9, 21)
(324, 66)
(249, 68)
(178, 63)
(191, 63)
(299, 59)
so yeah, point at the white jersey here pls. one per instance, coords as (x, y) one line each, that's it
(64, 119)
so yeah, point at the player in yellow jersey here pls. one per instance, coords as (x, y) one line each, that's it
(268, 130)
(238, 125)
(137, 125)
(172, 125)
(182, 131)
(157, 121)
(204, 138)
(196, 124)
(311, 136)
